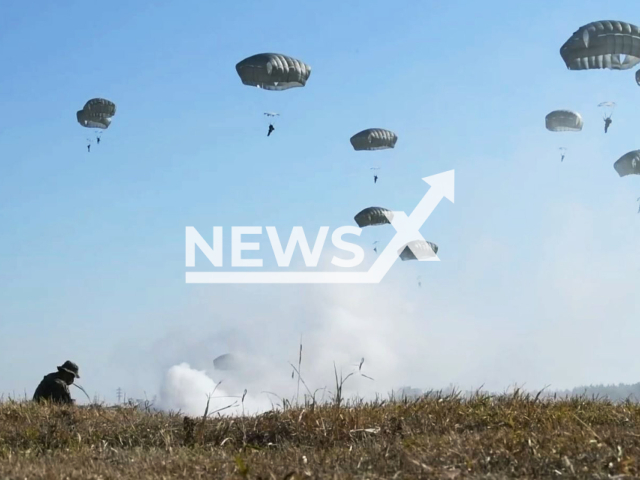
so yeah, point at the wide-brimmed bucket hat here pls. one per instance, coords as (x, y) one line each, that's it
(69, 367)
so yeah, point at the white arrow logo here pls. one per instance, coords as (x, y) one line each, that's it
(407, 229)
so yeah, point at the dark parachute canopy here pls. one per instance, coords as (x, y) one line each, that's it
(418, 250)
(100, 107)
(96, 113)
(89, 121)
(226, 362)
(563, 121)
(373, 216)
(273, 71)
(602, 44)
(374, 139)
(638, 77)
(628, 164)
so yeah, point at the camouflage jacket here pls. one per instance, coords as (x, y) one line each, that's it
(54, 389)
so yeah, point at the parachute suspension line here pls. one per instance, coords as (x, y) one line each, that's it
(375, 174)
(609, 108)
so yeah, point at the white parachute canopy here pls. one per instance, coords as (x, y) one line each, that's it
(609, 107)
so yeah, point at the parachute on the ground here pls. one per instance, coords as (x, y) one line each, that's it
(96, 113)
(227, 361)
(374, 139)
(418, 250)
(273, 71)
(373, 216)
(604, 44)
(628, 164)
(564, 121)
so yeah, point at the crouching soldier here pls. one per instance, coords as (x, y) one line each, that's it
(55, 386)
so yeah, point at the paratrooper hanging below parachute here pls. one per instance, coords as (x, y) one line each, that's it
(271, 127)
(96, 113)
(375, 176)
(607, 114)
(273, 71)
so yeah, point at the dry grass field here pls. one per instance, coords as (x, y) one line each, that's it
(491, 437)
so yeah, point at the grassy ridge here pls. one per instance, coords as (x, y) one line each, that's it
(431, 437)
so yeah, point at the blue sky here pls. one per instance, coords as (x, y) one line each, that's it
(92, 245)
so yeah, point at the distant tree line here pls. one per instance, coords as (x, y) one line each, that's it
(616, 393)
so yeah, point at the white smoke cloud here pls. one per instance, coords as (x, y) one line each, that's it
(188, 390)
(185, 389)
(402, 343)
(530, 309)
